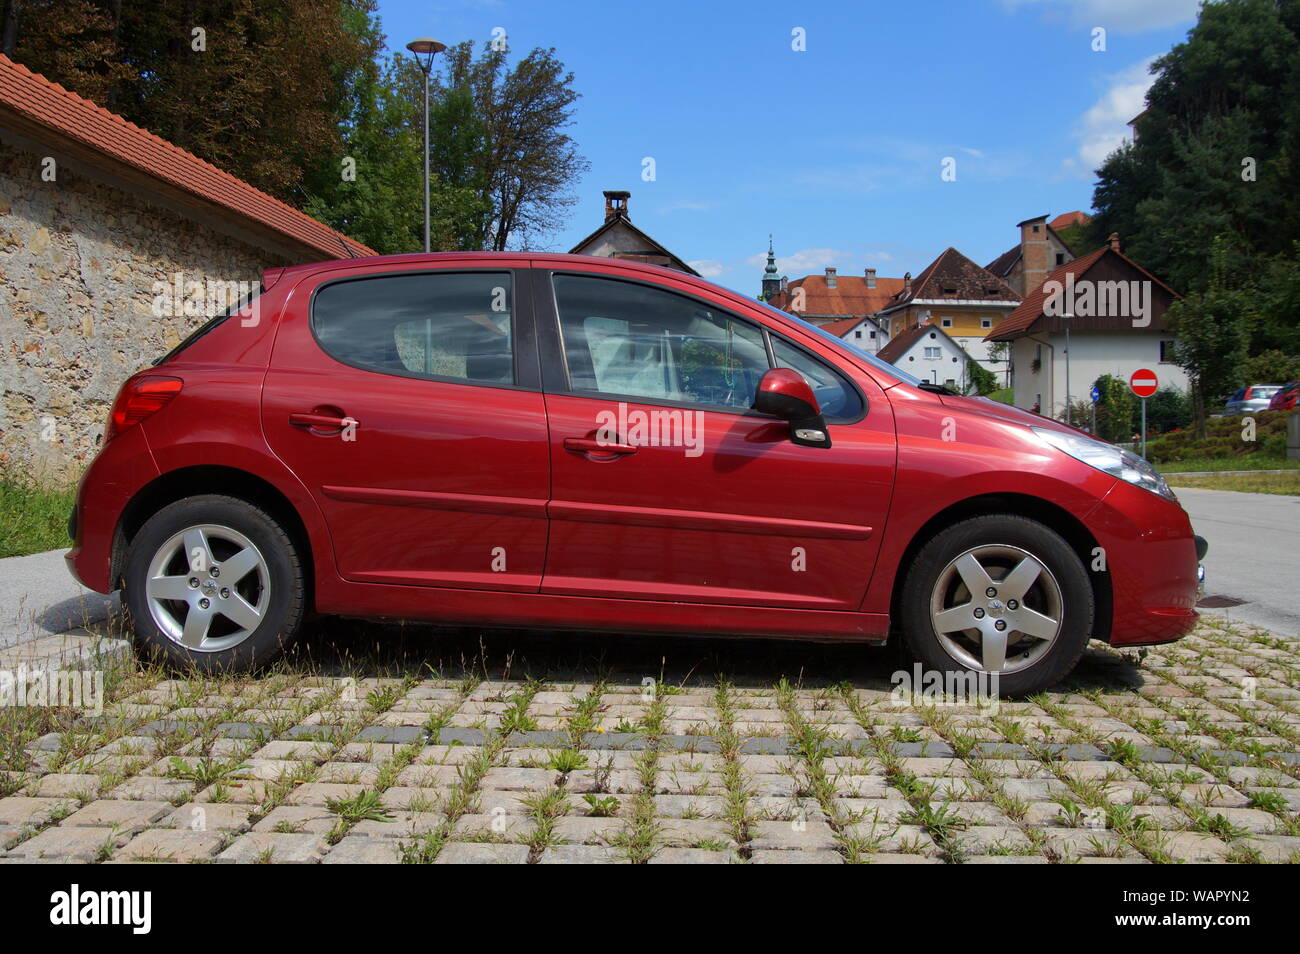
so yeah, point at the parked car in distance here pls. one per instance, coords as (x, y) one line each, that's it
(1286, 397)
(527, 440)
(1250, 400)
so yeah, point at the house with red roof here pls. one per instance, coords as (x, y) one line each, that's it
(114, 245)
(957, 296)
(928, 352)
(1100, 314)
(844, 305)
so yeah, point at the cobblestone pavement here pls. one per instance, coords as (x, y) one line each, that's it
(556, 749)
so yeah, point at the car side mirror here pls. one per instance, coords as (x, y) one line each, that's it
(784, 393)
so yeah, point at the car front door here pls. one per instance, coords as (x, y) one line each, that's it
(408, 403)
(666, 486)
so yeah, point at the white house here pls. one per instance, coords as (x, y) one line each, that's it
(1114, 311)
(927, 352)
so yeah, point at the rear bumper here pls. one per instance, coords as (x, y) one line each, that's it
(113, 478)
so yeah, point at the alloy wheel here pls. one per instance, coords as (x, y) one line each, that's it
(996, 608)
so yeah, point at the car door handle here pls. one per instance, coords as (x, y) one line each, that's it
(586, 445)
(323, 421)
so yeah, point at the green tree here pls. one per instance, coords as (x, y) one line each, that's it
(236, 82)
(979, 379)
(1270, 367)
(1116, 406)
(1213, 331)
(511, 144)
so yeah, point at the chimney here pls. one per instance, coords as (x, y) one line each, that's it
(1034, 255)
(1114, 241)
(907, 283)
(871, 278)
(616, 204)
(831, 274)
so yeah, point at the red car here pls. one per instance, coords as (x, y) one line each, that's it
(1285, 398)
(526, 440)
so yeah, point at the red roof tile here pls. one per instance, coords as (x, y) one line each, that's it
(850, 297)
(1066, 219)
(1021, 321)
(78, 120)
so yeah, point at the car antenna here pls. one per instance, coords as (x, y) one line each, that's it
(346, 247)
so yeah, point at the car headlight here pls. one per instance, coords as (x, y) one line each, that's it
(1107, 457)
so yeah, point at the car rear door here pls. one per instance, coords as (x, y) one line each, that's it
(408, 402)
(666, 486)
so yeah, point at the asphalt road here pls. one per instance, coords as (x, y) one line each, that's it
(1254, 554)
(39, 597)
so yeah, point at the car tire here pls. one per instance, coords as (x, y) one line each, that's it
(214, 584)
(991, 569)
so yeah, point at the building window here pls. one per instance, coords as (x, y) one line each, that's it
(1060, 258)
(857, 334)
(986, 322)
(945, 322)
(873, 336)
(1167, 351)
(932, 353)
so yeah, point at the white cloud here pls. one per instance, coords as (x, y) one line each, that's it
(1121, 16)
(708, 267)
(803, 262)
(1104, 126)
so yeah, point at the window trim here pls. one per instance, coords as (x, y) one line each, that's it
(523, 338)
(555, 380)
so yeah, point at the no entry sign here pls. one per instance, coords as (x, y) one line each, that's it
(1143, 382)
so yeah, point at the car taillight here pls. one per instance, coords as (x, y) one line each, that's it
(139, 398)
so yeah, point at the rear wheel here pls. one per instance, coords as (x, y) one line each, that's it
(998, 594)
(214, 583)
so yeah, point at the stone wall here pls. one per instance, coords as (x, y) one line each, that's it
(78, 263)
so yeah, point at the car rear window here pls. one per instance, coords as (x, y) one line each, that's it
(212, 325)
(442, 325)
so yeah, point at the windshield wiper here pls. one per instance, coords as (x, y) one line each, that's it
(936, 388)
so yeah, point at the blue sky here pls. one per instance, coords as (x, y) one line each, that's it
(837, 149)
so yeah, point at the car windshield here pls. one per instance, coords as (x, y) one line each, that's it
(885, 366)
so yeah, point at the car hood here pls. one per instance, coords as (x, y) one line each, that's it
(1003, 412)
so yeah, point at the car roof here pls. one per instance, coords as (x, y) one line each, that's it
(414, 258)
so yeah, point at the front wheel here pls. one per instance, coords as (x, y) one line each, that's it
(998, 594)
(214, 583)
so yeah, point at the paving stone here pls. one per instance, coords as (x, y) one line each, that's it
(481, 853)
(297, 819)
(1005, 860)
(881, 858)
(361, 850)
(145, 788)
(19, 810)
(258, 846)
(581, 855)
(781, 835)
(107, 812)
(681, 833)
(208, 816)
(1194, 846)
(795, 857)
(402, 825)
(320, 794)
(1278, 849)
(167, 844)
(57, 785)
(989, 839)
(692, 856)
(519, 779)
(498, 827)
(591, 831)
(70, 844)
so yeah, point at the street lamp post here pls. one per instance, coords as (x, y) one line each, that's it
(424, 50)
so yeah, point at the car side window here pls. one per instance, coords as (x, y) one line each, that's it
(433, 325)
(839, 400)
(623, 338)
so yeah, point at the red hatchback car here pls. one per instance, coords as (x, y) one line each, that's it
(528, 440)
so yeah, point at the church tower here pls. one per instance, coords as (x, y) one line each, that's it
(771, 280)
